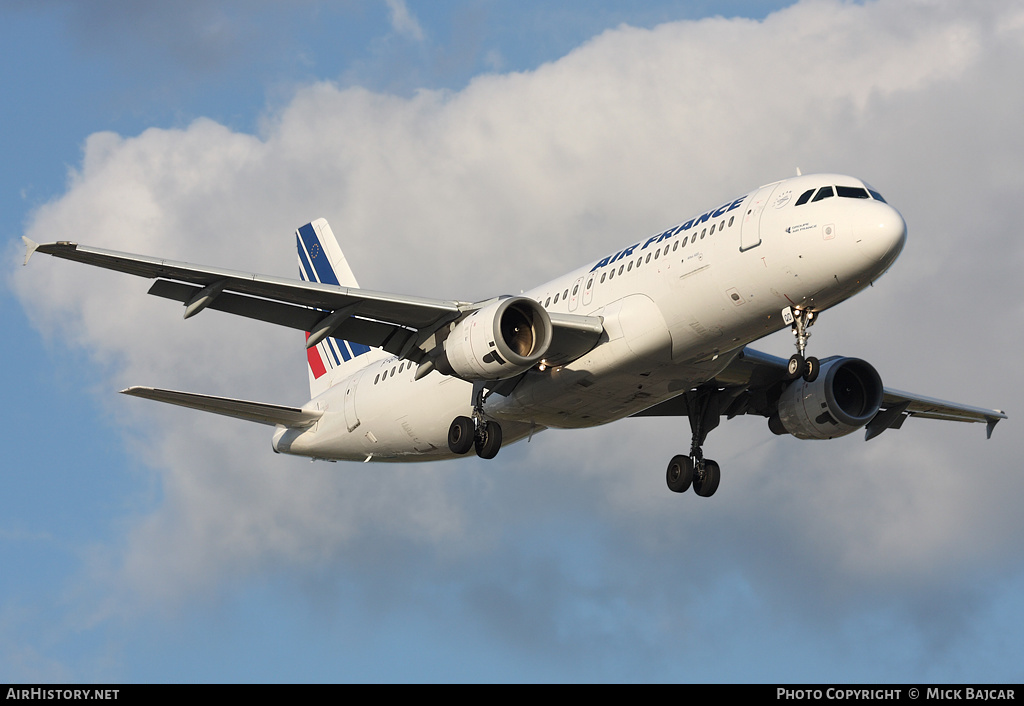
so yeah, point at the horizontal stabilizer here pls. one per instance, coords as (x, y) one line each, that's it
(240, 409)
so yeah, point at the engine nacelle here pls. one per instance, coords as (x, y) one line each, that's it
(499, 341)
(845, 396)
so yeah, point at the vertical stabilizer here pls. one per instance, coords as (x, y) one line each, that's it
(321, 260)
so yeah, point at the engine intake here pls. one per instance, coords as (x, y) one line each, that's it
(845, 396)
(498, 341)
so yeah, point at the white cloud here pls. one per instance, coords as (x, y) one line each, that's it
(519, 177)
(403, 21)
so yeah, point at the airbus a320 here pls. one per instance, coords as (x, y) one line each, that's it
(660, 327)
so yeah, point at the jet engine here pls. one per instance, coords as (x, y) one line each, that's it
(844, 397)
(498, 341)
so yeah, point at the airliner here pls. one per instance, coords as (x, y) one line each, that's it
(661, 327)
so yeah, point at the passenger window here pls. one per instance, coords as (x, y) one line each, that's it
(575, 289)
(657, 253)
(673, 246)
(603, 275)
(648, 258)
(621, 268)
(630, 268)
(376, 379)
(547, 303)
(611, 275)
(731, 219)
(556, 298)
(565, 294)
(590, 283)
(824, 192)
(712, 230)
(703, 233)
(804, 197)
(694, 238)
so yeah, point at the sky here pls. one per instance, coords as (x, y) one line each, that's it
(462, 150)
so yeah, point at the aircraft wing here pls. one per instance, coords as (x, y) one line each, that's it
(239, 409)
(399, 324)
(375, 319)
(753, 374)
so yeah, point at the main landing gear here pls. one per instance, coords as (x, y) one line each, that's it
(703, 474)
(808, 368)
(483, 435)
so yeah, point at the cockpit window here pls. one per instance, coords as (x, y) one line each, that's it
(823, 193)
(804, 197)
(846, 192)
(852, 192)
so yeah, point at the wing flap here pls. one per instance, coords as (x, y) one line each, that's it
(260, 412)
(370, 333)
(297, 317)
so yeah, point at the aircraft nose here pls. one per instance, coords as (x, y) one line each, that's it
(881, 232)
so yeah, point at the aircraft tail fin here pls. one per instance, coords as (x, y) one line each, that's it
(321, 260)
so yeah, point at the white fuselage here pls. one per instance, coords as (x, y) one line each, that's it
(677, 306)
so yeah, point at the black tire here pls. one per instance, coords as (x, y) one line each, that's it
(796, 366)
(707, 485)
(811, 369)
(460, 435)
(488, 440)
(679, 474)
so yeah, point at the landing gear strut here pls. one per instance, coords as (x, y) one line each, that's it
(808, 368)
(703, 474)
(479, 433)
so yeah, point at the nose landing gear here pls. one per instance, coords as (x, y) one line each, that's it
(808, 368)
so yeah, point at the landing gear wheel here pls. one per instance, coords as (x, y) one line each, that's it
(796, 367)
(460, 435)
(488, 440)
(679, 474)
(811, 369)
(705, 483)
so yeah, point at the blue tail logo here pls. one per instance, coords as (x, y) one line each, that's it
(320, 260)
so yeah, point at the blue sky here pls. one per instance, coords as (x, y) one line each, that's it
(461, 147)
